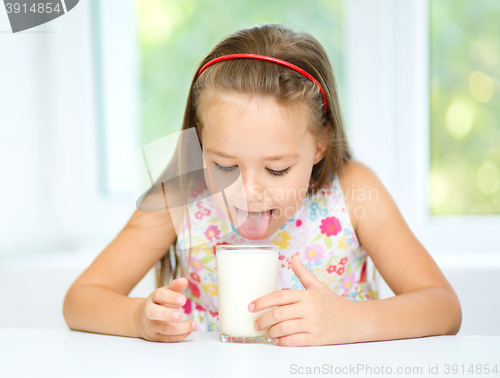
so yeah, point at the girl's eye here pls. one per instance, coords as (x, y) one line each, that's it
(271, 172)
(278, 173)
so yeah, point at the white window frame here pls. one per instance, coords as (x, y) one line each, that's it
(390, 121)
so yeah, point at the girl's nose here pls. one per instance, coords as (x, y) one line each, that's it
(252, 190)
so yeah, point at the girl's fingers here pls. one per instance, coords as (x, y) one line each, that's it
(157, 312)
(287, 328)
(297, 339)
(175, 328)
(171, 339)
(276, 298)
(167, 297)
(280, 314)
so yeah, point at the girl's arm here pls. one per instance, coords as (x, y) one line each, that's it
(98, 300)
(425, 304)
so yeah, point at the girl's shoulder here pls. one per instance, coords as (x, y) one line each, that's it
(355, 181)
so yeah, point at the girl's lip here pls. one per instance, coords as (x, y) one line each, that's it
(254, 211)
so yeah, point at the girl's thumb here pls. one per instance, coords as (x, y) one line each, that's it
(179, 284)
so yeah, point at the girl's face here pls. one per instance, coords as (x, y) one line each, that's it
(265, 152)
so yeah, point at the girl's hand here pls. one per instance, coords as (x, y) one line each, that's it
(315, 316)
(158, 317)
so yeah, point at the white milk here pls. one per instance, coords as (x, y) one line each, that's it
(244, 273)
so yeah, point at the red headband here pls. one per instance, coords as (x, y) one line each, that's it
(270, 59)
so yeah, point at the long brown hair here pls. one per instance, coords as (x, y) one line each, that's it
(264, 79)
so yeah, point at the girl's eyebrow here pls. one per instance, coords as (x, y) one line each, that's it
(269, 158)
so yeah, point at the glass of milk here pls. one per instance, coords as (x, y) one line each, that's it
(244, 273)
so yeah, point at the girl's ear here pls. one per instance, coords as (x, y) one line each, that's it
(322, 145)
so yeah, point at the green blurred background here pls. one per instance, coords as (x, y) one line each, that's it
(465, 107)
(464, 72)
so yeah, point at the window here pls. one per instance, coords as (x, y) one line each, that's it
(388, 79)
(465, 107)
(396, 71)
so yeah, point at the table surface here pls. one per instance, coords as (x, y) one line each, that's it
(34, 352)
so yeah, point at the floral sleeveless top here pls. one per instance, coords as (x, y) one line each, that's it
(320, 233)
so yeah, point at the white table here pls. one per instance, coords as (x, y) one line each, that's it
(34, 352)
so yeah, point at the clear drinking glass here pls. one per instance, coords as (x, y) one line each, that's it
(244, 273)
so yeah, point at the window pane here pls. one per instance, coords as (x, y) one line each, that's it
(175, 35)
(464, 107)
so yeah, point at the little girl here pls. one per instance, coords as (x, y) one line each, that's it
(273, 159)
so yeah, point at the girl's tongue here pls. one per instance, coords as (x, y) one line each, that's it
(253, 225)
